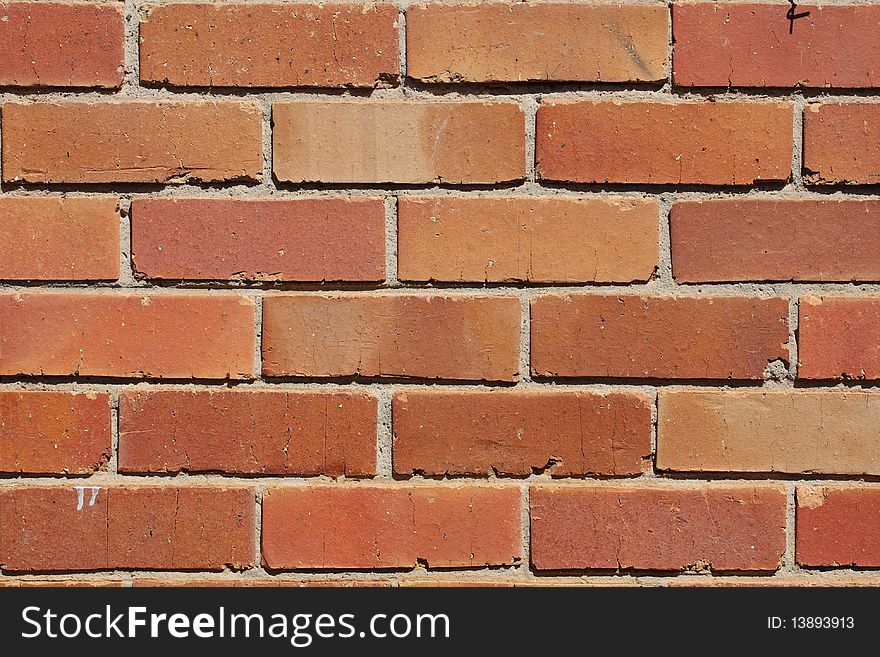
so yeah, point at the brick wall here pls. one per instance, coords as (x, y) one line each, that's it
(404, 294)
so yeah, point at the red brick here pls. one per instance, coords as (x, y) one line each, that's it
(520, 42)
(838, 526)
(46, 432)
(364, 527)
(127, 335)
(750, 45)
(131, 141)
(789, 431)
(271, 45)
(663, 337)
(653, 527)
(531, 239)
(59, 238)
(842, 143)
(424, 336)
(685, 143)
(519, 433)
(838, 338)
(248, 432)
(326, 239)
(115, 527)
(398, 141)
(46, 44)
(250, 582)
(775, 240)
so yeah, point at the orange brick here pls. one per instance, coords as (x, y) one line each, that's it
(775, 240)
(531, 239)
(838, 338)
(47, 432)
(705, 527)
(842, 143)
(837, 526)
(131, 141)
(790, 431)
(318, 239)
(521, 433)
(127, 335)
(398, 141)
(59, 238)
(248, 432)
(684, 143)
(732, 44)
(47, 44)
(271, 45)
(663, 337)
(364, 527)
(553, 41)
(424, 336)
(76, 528)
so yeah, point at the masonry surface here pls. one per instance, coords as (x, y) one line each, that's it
(403, 294)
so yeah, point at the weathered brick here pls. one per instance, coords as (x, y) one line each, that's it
(664, 337)
(424, 336)
(842, 143)
(127, 335)
(248, 432)
(82, 528)
(838, 526)
(838, 337)
(318, 239)
(646, 142)
(48, 44)
(788, 431)
(59, 238)
(520, 433)
(268, 45)
(653, 527)
(131, 141)
(48, 432)
(398, 141)
(364, 527)
(548, 41)
(775, 240)
(751, 45)
(531, 239)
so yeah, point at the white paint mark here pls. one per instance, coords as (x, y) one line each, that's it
(80, 496)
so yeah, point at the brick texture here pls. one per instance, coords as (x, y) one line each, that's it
(269, 45)
(842, 144)
(131, 142)
(333, 527)
(327, 239)
(795, 432)
(86, 528)
(837, 526)
(127, 335)
(522, 239)
(751, 45)
(431, 337)
(46, 44)
(385, 141)
(520, 433)
(773, 240)
(658, 528)
(683, 143)
(59, 238)
(521, 42)
(248, 432)
(48, 432)
(839, 338)
(604, 336)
